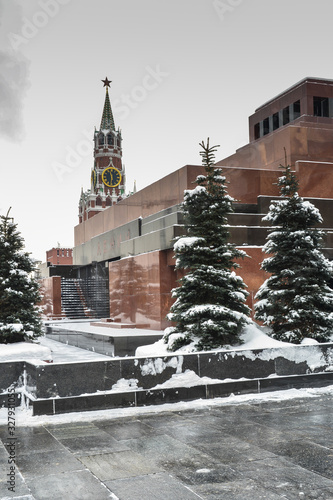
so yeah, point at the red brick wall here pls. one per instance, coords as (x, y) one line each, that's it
(60, 256)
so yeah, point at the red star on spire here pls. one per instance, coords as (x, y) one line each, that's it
(106, 82)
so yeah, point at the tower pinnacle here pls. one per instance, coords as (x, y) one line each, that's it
(106, 82)
(107, 122)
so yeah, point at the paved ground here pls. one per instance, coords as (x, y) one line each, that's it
(268, 450)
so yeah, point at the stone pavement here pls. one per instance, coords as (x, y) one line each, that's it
(253, 451)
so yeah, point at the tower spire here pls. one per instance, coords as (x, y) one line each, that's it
(107, 122)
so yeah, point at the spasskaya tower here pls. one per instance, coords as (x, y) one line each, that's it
(108, 173)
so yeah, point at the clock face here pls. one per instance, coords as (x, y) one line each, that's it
(111, 177)
(94, 178)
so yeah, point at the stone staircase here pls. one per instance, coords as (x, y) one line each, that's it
(84, 298)
(71, 301)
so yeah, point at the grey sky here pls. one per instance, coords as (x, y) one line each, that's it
(182, 70)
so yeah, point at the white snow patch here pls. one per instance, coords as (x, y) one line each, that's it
(125, 385)
(24, 416)
(185, 242)
(254, 337)
(24, 351)
(307, 341)
(159, 347)
(187, 379)
(157, 366)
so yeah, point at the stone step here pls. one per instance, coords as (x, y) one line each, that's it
(141, 397)
(117, 324)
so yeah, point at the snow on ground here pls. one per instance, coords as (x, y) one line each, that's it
(253, 337)
(24, 416)
(23, 351)
(65, 353)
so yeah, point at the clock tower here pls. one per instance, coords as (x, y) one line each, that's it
(108, 173)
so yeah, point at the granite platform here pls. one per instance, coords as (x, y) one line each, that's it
(111, 339)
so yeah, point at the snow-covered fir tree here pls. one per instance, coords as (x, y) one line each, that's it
(296, 301)
(210, 309)
(19, 291)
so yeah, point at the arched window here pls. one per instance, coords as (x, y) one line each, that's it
(108, 202)
(98, 201)
(119, 141)
(110, 139)
(101, 139)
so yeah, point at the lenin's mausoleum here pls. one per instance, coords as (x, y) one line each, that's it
(123, 266)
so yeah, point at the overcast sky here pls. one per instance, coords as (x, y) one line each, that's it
(181, 70)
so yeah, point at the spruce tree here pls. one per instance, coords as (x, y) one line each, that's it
(296, 301)
(19, 292)
(210, 309)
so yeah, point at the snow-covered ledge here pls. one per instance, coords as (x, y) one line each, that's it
(136, 381)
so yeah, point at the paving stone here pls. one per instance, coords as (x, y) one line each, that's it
(232, 450)
(260, 435)
(93, 444)
(81, 485)
(319, 434)
(161, 449)
(22, 431)
(192, 432)
(152, 487)
(127, 430)
(161, 421)
(118, 465)
(288, 480)
(200, 469)
(308, 455)
(297, 420)
(30, 441)
(35, 465)
(21, 489)
(63, 431)
(243, 489)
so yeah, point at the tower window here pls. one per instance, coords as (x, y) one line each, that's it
(276, 121)
(110, 139)
(296, 109)
(119, 141)
(257, 131)
(98, 201)
(320, 106)
(285, 115)
(266, 126)
(101, 139)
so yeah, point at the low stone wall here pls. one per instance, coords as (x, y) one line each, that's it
(73, 379)
(11, 372)
(56, 388)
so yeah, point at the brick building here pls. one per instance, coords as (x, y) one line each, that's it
(59, 256)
